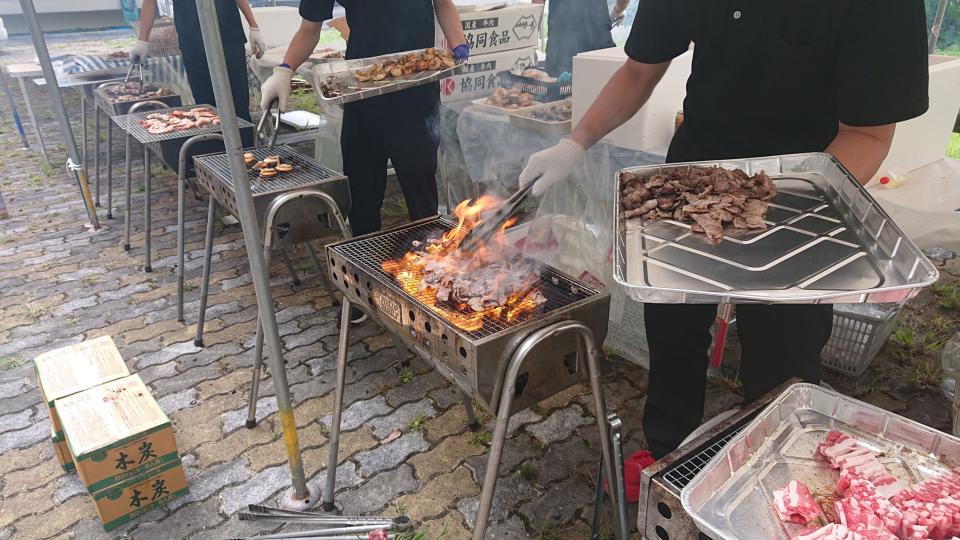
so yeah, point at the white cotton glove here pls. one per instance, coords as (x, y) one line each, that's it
(552, 165)
(257, 45)
(277, 87)
(139, 52)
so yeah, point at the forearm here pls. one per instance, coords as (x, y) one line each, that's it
(450, 22)
(302, 44)
(625, 93)
(622, 5)
(147, 15)
(862, 150)
(247, 12)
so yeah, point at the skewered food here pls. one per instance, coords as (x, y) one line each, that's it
(248, 158)
(510, 99)
(712, 199)
(284, 167)
(160, 123)
(408, 64)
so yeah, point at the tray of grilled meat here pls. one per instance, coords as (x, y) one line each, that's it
(782, 229)
(816, 464)
(119, 97)
(554, 118)
(345, 81)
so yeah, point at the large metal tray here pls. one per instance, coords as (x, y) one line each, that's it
(828, 241)
(732, 497)
(525, 119)
(340, 73)
(114, 107)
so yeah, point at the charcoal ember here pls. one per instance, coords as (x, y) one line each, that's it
(709, 199)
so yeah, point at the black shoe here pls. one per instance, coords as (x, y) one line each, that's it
(357, 316)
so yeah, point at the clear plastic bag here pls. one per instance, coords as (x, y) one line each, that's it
(950, 357)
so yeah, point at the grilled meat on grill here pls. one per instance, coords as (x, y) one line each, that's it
(159, 123)
(712, 199)
(130, 91)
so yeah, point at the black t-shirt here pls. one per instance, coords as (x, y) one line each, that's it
(187, 22)
(776, 76)
(379, 26)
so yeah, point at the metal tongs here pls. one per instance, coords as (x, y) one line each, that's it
(332, 527)
(485, 230)
(130, 71)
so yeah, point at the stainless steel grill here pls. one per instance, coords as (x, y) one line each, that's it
(131, 124)
(682, 473)
(474, 360)
(213, 173)
(113, 107)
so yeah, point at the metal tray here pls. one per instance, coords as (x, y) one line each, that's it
(732, 497)
(114, 107)
(828, 242)
(493, 109)
(340, 73)
(524, 119)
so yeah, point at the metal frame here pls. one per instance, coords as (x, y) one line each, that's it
(517, 359)
(301, 494)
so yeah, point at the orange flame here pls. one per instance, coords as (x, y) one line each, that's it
(418, 270)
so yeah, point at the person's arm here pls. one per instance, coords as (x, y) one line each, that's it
(624, 94)
(303, 43)
(450, 23)
(148, 13)
(862, 149)
(244, 6)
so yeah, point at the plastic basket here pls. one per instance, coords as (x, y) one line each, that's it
(541, 91)
(859, 332)
(626, 334)
(956, 418)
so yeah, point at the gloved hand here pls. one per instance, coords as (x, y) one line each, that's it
(277, 87)
(552, 165)
(139, 52)
(257, 45)
(461, 52)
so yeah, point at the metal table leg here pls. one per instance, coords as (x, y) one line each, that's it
(96, 155)
(334, 442)
(257, 362)
(324, 280)
(83, 127)
(289, 264)
(13, 110)
(471, 414)
(147, 221)
(205, 280)
(109, 169)
(127, 195)
(33, 120)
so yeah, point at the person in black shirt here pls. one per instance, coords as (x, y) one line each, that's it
(576, 26)
(768, 78)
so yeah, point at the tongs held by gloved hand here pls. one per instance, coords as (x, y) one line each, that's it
(130, 70)
(484, 231)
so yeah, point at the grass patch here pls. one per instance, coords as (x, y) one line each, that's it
(90, 279)
(406, 376)
(72, 321)
(5, 240)
(947, 294)
(953, 151)
(35, 312)
(547, 532)
(418, 422)
(189, 286)
(9, 362)
(529, 471)
(482, 438)
(304, 100)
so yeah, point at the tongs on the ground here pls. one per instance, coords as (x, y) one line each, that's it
(332, 527)
(485, 230)
(140, 75)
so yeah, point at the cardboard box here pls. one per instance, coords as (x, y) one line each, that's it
(76, 368)
(505, 29)
(116, 431)
(480, 78)
(127, 500)
(62, 452)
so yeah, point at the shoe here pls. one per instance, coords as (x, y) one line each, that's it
(357, 316)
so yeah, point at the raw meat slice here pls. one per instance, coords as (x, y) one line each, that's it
(794, 503)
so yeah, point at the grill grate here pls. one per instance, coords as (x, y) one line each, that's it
(306, 172)
(559, 290)
(114, 107)
(682, 473)
(131, 124)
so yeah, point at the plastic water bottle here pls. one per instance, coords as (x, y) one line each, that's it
(892, 179)
(950, 357)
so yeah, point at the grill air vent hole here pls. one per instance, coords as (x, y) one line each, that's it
(463, 352)
(570, 362)
(664, 510)
(704, 537)
(522, 381)
(369, 286)
(444, 338)
(356, 279)
(662, 533)
(426, 326)
(413, 316)
(334, 276)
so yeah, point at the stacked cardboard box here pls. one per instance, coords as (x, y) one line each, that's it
(499, 39)
(124, 449)
(66, 371)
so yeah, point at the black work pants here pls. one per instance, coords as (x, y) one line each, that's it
(778, 342)
(401, 127)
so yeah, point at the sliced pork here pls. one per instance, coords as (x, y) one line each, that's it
(795, 503)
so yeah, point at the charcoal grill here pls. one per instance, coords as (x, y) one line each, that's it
(104, 103)
(661, 516)
(504, 366)
(130, 123)
(292, 208)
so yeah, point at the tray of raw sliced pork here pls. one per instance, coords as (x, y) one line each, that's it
(818, 465)
(788, 229)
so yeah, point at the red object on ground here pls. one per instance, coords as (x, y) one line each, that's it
(633, 468)
(795, 503)
(378, 534)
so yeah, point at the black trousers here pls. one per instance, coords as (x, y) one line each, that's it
(778, 342)
(401, 127)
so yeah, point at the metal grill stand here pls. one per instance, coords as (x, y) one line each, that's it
(503, 408)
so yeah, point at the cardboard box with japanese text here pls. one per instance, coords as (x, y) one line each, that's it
(62, 452)
(497, 30)
(133, 497)
(116, 431)
(480, 76)
(75, 368)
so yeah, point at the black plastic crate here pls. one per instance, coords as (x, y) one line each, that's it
(541, 91)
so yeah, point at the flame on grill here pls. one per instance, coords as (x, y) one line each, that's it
(442, 277)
